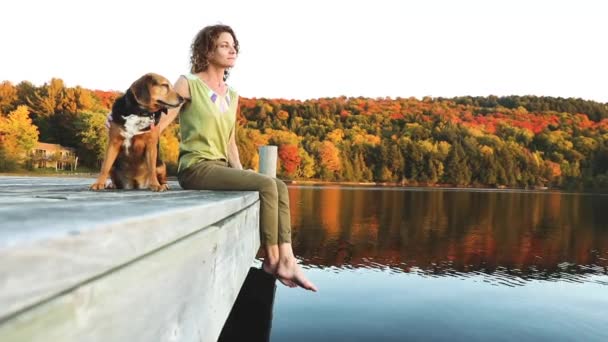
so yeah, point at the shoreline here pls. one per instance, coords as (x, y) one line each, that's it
(449, 187)
(425, 186)
(320, 183)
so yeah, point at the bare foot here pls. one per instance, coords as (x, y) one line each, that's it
(271, 268)
(289, 271)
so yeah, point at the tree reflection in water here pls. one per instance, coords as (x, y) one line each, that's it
(510, 236)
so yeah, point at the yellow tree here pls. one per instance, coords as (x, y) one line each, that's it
(249, 140)
(336, 136)
(8, 96)
(169, 147)
(48, 100)
(329, 159)
(17, 136)
(76, 99)
(279, 137)
(306, 169)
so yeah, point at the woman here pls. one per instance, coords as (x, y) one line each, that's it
(209, 157)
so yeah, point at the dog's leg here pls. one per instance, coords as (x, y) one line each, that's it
(115, 140)
(161, 174)
(117, 181)
(151, 156)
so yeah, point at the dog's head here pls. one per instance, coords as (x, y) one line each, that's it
(154, 92)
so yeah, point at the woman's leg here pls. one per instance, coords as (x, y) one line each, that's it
(217, 175)
(275, 225)
(288, 270)
(284, 212)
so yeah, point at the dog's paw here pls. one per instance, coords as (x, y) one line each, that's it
(97, 186)
(157, 187)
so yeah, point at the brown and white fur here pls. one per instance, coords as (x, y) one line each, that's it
(131, 159)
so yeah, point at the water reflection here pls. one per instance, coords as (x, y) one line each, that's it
(508, 237)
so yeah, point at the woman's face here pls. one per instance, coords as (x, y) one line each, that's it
(224, 54)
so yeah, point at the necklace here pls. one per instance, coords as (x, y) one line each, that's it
(220, 89)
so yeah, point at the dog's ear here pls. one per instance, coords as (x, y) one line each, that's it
(141, 89)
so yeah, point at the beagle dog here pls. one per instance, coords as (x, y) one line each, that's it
(131, 159)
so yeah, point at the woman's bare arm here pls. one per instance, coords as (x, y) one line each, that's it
(233, 152)
(181, 87)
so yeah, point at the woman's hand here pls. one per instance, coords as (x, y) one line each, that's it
(235, 165)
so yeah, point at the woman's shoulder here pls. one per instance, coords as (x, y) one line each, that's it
(189, 76)
(185, 80)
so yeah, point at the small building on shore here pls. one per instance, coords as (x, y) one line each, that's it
(54, 156)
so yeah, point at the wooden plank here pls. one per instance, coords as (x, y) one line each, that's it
(59, 241)
(181, 292)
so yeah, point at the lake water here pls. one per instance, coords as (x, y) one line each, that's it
(398, 264)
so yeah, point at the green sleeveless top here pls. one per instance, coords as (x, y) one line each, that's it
(206, 122)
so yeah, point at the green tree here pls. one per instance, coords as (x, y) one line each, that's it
(396, 163)
(457, 170)
(93, 137)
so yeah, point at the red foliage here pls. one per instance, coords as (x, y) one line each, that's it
(554, 168)
(106, 98)
(290, 160)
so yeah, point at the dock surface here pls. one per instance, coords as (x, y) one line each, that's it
(120, 265)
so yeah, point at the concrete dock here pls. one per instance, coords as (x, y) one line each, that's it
(120, 265)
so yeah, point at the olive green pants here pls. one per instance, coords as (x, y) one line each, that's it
(275, 220)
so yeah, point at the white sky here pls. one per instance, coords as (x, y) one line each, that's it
(303, 49)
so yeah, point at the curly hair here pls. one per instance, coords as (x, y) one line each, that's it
(204, 42)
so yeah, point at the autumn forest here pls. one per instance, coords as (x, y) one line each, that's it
(512, 141)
